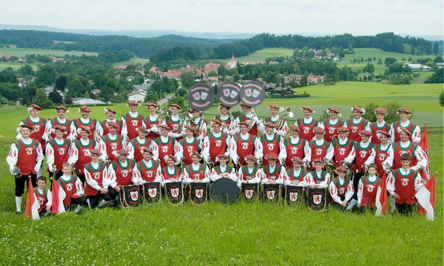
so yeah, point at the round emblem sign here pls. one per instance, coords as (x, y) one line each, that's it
(252, 93)
(201, 97)
(228, 94)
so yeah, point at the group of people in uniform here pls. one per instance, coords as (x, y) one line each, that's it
(98, 158)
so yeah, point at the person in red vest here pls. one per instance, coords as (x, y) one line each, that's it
(135, 146)
(307, 124)
(294, 146)
(111, 142)
(80, 151)
(382, 154)
(215, 143)
(318, 178)
(197, 121)
(59, 120)
(147, 170)
(342, 147)
(318, 148)
(418, 160)
(44, 196)
(24, 159)
(341, 189)
(357, 123)
(73, 188)
(188, 145)
(249, 173)
(96, 174)
(405, 123)
(272, 173)
(131, 121)
(379, 125)
(297, 175)
(243, 144)
(175, 122)
(196, 172)
(402, 184)
(86, 121)
(226, 119)
(57, 151)
(172, 172)
(223, 170)
(368, 187)
(164, 146)
(248, 118)
(332, 124)
(152, 121)
(271, 143)
(111, 118)
(120, 172)
(37, 123)
(277, 121)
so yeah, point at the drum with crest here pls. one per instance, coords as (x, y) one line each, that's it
(294, 194)
(151, 192)
(224, 190)
(317, 199)
(272, 193)
(129, 196)
(250, 192)
(198, 193)
(174, 193)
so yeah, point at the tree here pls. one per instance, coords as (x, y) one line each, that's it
(379, 61)
(369, 112)
(436, 77)
(389, 60)
(187, 79)
(86, 95)
(41, 99)
(75, 89)
(213, 74)
(25, 70)
(7, 75)
(60, 83)
(441, 98)
(341, 54)
(55, 97)
(303, 81)
(436, 48)
(438, 59)
(369, 68)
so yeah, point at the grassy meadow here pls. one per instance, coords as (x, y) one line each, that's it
(238, 234)
(263, 54)
(25, 51)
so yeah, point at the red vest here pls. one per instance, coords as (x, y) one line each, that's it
(174, 125)
(166, 148)
(227, 170)
(27, 155)
(270, 146)
(167, 176)
(306, 130)
(37, 129)
(342, 188)
(293, 177)
(84, 154)
(55, 122)
(244, 147)
(375, 128)
(70, 189)
(410, 128)
(189, 148)
(361, 155)
(42, 198)
(97, 175)
(331, 129)
(199, 174)
(148, 174)
(132, 123)
(247, 175)
(112, 145)
(380, 157)
(355, 128)
(272, 175)
(253, 130)
(398, 151)
(369, 192)
(124, 174)
(318, 179)
(105, 127)
(318, 152)
(138, 155)
(60, 153)
(293, 150)
(92, 125)
(342, 151)
(149, 124)
(405, 187)
(217, 145)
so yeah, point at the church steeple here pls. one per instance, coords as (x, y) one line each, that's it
(232, 58)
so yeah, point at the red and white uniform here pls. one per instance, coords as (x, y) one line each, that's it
(418, 157)
(367, 190)
(354, 126)
(104, 125)
(382, 156)
(340, 150)
(185, 146)
(360, 153)
(121, 173)
(38, 126)
(331, 128)
(152, 124)
(148, 171)
(294, 147)
(271, 144)
(320, 178)
(201, 127)
(72, 186)
(276, 172)
(54, 122)
(306, 127)
(405, 183)
(341, 188)
(375, 127)
(249, 175)
(44, 196)
(131, 121)
(282, 130)
(299, 175)
(227, 123)
(249, 118)
(135, 146)
(96, 175)
(318, 149)
(412, 128)
(97, 130)
(174, 122)
(163, 146)
(243, 145)
(218, 170)
(25, 154)
(80, 153)
(196, 171)
(57, 152)
(110, 143)
(215, 144)
(169, 173)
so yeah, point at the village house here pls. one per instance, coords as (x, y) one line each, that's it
(130, 78)
(136, 96)
(232, 64)
(95, 91)
(211, 67)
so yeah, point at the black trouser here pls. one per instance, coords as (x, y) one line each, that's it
(20, 183)
(80, 201)
(404, 208)
(82, 178)
(94, 200)
(356, 178)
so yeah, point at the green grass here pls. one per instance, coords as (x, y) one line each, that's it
(261, 55)
(16, 66)
(25, 51)
(132, 61)
(378, 53)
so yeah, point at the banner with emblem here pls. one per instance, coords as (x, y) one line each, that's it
(294, 194)
(317, 201)
(250, 192)
(198, 193)
(272, 193)
(151, 192)
(130, 196)
(174, 193)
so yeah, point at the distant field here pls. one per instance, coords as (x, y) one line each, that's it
(378, 53)
(24, 51)
(132, 61)
(261, 55)
(16, 66)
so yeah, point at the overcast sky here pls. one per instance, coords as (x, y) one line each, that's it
(358, 17)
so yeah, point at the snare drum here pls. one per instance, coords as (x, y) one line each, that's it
(129, 196)
(250, 192)
(174, 193)
(198, 193)
(151, 192)
(294, 194)
(224, 190)
(317, 199)
(272, 193)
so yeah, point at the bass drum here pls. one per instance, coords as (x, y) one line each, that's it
(224, 190)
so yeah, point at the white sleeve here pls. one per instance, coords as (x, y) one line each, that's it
(178, 150)
(185, 177)
(124, 130)
(12, 157)
(334, 193)
(73, 130)
(307, 151)
(159, 177)
(350, 191)
(283, 151)
(282, 176)
(79, 187)
(392, 136)
(130, 150)
(260, 173)
(74, 156)
(49, 198)
(111, 177)
(283, 130)
(99, 130)
(422, 159)
(416, 136)
(326, 181)
(102, 149)
(19, 135)
(206, 149)
(389, 161)
(233, 150)
(155, 149)
(330, 152)
(233, 175)
(360, 191)
(351, 156)
(49, 156)
(391, 184)
(90, 180)
(371, 158)
(214, 175)
(47, 134)
(418, 182)
(258, 151)
(136, 177)
(40, 157)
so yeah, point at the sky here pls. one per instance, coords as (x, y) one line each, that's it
(358, 17)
